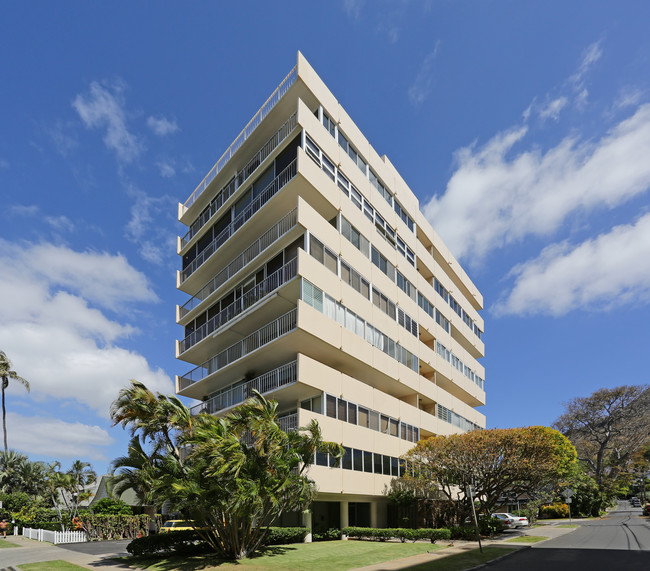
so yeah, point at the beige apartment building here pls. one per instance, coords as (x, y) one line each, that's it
(314, 278)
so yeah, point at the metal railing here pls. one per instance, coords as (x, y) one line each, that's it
(288, 423)
(265, 287)
(238, 180)
(271, 381)
(267, 239)
(263, 336)
(269, 192)
(280, 90)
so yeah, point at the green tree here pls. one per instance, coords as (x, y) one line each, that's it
(238, 474)
(7, 374)
(109, 506)
(136, 471)
(608, 428)
(496, 463)
(12, 469)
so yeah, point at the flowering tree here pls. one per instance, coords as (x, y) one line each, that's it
(496, 463)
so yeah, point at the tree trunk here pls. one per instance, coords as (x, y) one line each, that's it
(4, 415)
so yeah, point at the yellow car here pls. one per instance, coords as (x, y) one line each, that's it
(176, 525)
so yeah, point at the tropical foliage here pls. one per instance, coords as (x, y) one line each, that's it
(236, 475)
(495, 463)
(7, 375)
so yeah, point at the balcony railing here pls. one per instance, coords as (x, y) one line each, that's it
(287, 82)
(242, 176)
(267, 239)
(289, 423)
(263, 336)
(265, 287)
(269, 192)
(271, 381)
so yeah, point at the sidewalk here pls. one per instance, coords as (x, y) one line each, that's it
(548, 529)
(31, 551)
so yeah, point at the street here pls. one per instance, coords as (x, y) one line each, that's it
(619, 540)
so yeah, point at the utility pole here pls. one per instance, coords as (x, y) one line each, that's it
(470, 493)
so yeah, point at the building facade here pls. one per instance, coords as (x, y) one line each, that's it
(314, 279)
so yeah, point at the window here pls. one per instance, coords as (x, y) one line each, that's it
(367, 461)
(331, 406)
(358, 460)
(347, 458)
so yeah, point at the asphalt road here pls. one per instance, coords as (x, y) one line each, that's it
(621, 540)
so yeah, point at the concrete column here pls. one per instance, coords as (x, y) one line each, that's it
(306, 522)
(344, 516)
(374, 520)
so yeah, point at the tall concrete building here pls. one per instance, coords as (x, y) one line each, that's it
(314, 278)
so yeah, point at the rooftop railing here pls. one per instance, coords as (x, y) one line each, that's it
(267, 239)
(276, 280)
(242, 176)
(280, 90)
(271, 190)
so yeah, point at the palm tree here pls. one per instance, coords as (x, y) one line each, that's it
(12, 465)
(6, 374)
(136, 471)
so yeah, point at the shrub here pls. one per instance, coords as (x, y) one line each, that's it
(403, 534)
(331, 534)
(181, 542)
(554, 511)
(466, 533)
(109, 506)
(283, 535)
(490, 525)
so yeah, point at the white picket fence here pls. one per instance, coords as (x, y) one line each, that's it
(55, 536)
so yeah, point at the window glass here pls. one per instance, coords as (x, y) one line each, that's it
(363, 417)
(367, 461)
(331, 406)
(377, 464)
(321, 459)
(352, 413)
(316, 248)
(331, 261)
(317, 404)
(346, 461)
(358, 460)
(343, 406)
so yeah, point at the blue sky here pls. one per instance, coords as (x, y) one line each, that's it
(522, 127)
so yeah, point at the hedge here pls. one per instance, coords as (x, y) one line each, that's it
(284, 535)
(182, 542)
(403, 534)
(557, 510)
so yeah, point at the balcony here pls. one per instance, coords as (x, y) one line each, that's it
(247, 131)
(269, 192)
(263, 336)
(267, 239)
(270, 284)
(242, 176)
(266, 383)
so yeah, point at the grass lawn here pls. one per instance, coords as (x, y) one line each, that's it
(5, 543)
(568, 525)
(319, 556)
(56, 565)
(526, 539)
(465, 560)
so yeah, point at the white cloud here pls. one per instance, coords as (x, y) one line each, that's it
(55, 339)
(46, 436)
(162, 126)
(608, 271)
(553, 108)
(145, 223)
(353, 7)
(497, 197)
(421, 86)
(104, 108)
(590, 56)
(166, 168)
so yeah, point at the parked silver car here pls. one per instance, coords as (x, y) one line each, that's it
(511, 520)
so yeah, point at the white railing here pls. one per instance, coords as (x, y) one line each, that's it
(267, 239)
(239, 179)
(273, 282)
(273, 380)
(288, 423)
(269, 192)
(280, 90)
(263, 336)
(55, 536)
